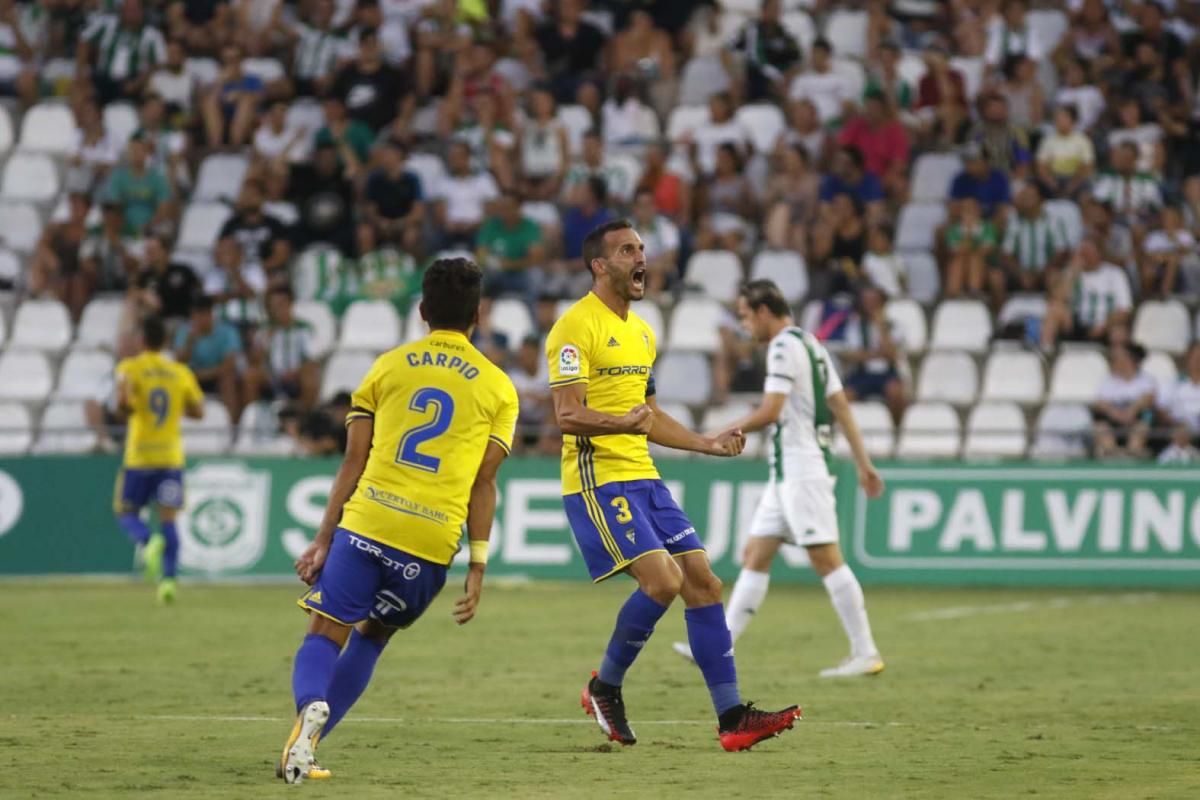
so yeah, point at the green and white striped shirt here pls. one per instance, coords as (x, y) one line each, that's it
(1137, 194)
(122, 54)
(288, 346)
(1034, 243)
(318, 51)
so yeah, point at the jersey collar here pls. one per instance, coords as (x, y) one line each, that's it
(446, 333)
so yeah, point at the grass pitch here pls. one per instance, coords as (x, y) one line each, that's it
(987, 694)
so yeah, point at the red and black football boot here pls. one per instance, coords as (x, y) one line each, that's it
(744, 726)
(602, 701)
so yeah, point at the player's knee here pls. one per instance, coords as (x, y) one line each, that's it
(664, 587)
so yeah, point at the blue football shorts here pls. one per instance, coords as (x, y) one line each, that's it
(619, 522)
(365, 579)
(137, 488)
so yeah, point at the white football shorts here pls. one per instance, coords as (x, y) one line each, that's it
(801, 512)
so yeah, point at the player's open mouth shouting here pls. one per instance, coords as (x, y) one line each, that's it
(638, 279)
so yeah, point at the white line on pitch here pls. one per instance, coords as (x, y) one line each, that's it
(1026, 606)
(484, 720)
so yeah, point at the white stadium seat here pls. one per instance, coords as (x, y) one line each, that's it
(6, 131)
(220, 178)
(911, 68)
(701, 78)
(29, 177)
(996, 430)
(25, 375)
(545, 214)
(696, 324)
(307, 268)
(64, 429)
(923, 279)
(429, 169)
(877, 428)
(1049, 25)
(511, 317)
(932, 175)
(972, 69)
(1076, 376)
(268, 70)
(786, 268)
(1062, 430)
(929, 430)
(1022, 306)
(718, 418)
(578, 121)
(908, 321)
(1014, 375)
(324, 326)
(1162, 325)
(718, 273)
(20, 226)
(681, 413)
(1068, 213)
(16, 429)
(763, 123)
(11, 271)
(1161, 367)
(415, 327)
(370, 325)
(847, 32)
(652, 315)
(852, 74)
(800, 26)
(48, 127)
(42, 325)
(120, 122)
(100, 323)
(258, 433)
(950, 376)
(204, 70)
(685, 119)
(305, 115)
(344, 371)
(208, 436)
(917, 224)
(201, 225)
(961, 325)
(681, 377)
(83, 373)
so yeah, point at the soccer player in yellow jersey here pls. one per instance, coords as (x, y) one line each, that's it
(601, 356)
(428, 429)
(155, 392)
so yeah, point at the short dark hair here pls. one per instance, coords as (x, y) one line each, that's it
(154, 332)
(284, 289)
(821, 43)
(450, 293)
(593, 243)
(203, 302)
(763, 292)
(1070, 110)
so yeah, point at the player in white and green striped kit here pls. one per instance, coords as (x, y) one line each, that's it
(802, 398)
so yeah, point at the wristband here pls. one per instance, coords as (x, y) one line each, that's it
(479, 552)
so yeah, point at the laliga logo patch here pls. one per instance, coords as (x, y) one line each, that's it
(411, 571)
(568, 360)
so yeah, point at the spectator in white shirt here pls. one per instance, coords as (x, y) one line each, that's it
(829, 91)
(1090, 301)
(1124, 405)
(1065, 158)
(721, 129)
(1009, 34)
(278, 143)
(1087, 99)
(881, 265)
(1148, 136)
(1167, 254)
(1179, 410)
(661, 237)
(535, 431)
(462, 197)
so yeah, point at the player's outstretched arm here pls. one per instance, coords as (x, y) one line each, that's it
(481, 510)
(358, 448)
(670, 432)
(576, 419)
(868, 478)
(767, 413)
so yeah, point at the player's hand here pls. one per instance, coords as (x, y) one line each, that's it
(639, 419)
(464, 607)
(729, 443)
(870, 481)
(310, 562)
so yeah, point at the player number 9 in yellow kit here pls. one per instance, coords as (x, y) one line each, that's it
(443, 411)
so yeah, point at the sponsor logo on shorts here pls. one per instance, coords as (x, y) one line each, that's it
(681, 535)
(409, 569)
(568, 360)
(630, 535)
(315, 598)
(387, 603)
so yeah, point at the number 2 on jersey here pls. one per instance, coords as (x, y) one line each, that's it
(160, 403)
(443, 409)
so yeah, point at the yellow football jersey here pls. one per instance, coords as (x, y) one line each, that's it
(158, 389)
(436, 403)
(590, 344)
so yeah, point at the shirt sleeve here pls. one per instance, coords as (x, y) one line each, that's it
(504, 424)
(365, 399)
(567, 354)
(833, 381)
(781, 368)
(191, 388)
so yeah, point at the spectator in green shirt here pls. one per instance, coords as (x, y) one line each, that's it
(140, 190)
(353, 139)
(509, 246)
(970, 240)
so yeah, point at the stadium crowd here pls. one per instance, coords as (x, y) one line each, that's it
(257, 171)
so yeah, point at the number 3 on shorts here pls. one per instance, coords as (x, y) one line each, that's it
(622, 507)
